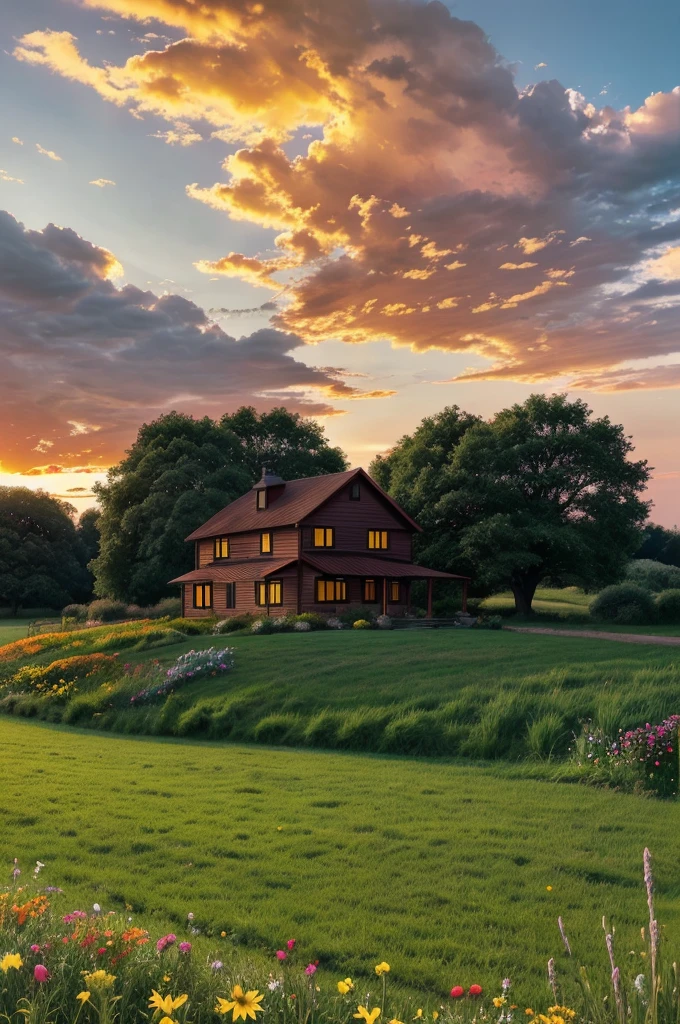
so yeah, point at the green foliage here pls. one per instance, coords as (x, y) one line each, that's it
(545, 734)
(234, 622)
(624, 604)
(362, 624)
(42, 557)
(653, 576)
(76, 612)
(668, 606)
(660, 544)
(193, 627)
(542, 490)
(169, 606)
(153, 638)
(315, 621)
(348, 616)
(178, 473)
(105, 610)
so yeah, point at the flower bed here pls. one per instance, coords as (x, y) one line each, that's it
(188, 667)
(649, 754)
(99, 965)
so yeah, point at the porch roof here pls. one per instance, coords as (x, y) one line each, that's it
(368, 566)
(251, 570)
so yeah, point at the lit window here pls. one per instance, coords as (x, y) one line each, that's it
(323, 537)
(202, 595)
(267, 593)
(266, 545)
(275, 592)
(261, 594)
(261, 499)
(221, 547)
(355, 492)
(369, 591)
(231, 595)
(331, 590)
(395, 592)
(378, 540)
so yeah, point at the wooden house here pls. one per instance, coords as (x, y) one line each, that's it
(313, 545)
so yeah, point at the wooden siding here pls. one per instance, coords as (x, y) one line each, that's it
(354, 596)
(205, 550)
(247, 545)
(245, 598)
(352, 520)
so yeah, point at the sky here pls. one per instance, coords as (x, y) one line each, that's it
(363, 211)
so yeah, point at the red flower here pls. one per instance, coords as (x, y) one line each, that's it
(475, 990)
(101, 951)
(457, 991)
(40, 972)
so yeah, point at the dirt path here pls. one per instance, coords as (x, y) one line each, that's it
(592, 634)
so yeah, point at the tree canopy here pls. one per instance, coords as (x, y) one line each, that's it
(543, 490)
(178, 473)
(660, 545)
(42, 556)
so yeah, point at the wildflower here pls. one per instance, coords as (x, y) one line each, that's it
(167, 1020)
(166, 1003)
(165, 940)
(345, 986)
(190, 916)
(419, 1014)
(167, 977)
(310, 969)
(40, 973)
(223, 935)
(83, 996)
(273, 985)
(35, 949)
(382, 968)
(97, 909)
(370, 1017)
(216, 965)
(290, 944)
(242, 1004)
(279, 828)
(280, 955)
(505, 984)
(184, 947)
(457, 991)
(101, 951)
(475, 990)
(100, 979)
(435, 1015)
(529, 1012)
(499, 1001)
(11, 960)
(548, 888)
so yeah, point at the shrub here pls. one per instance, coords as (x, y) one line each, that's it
(315, 621)
(233, 623)
(302, 627)
(78, 612)
(625, 604)
(384, 622)
(489, 622)
(334, 623)
(263, 625)
(668, 606)
(351, 615)
(193, 627)
(169, 606)
(362, 624)
(653, 576)
(107, 611)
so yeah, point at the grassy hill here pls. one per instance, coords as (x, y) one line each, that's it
(443, 870)
(566, 603)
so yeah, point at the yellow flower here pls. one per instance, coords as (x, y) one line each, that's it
(166, 1003)
(369, 1016)
(100, 979)
(243, 1004)
(167, 1020)
(419, 1014)
(395, 1021)
(529, 1012)
(499, 1001)
(166, 977)
(564, 1011)
(83, 996)
(549, 888)
(345, 986)
(11, 960)
(382, 968)
(435, 1015)
(223, 934)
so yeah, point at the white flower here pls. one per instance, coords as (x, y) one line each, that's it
(302, 627)
(190, 916)
(273, 985)
(640, 983)
(97, 909)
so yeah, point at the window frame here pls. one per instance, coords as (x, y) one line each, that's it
(261, 492)
(263, 587)
(392, 598)
(202, 587)
(369, 600)
(230, 595)
(355, 491)
(326, 530)
(270, 601)
(270, 534)
(330, 600)
(380, 547)
(221, 541)
(258, 585)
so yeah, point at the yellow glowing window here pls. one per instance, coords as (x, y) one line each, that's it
(369, 590)
(378, 540)
(202, 595)
(261, 499)
(323, 537)
(275, 592)
(261, 594)
(395, 592)
(331, 590)
(266, 543)
(221, 547)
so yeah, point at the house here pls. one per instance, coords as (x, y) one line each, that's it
(311, 545)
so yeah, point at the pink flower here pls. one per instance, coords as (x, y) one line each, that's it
(310, 969)
(40, 973)
(35, 949)
(184, 947)
(280, 955)
(166, 940)
(291, 944)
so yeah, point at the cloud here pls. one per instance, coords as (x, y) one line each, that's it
(17, 140)
(47, 152)
(101, 182)
(181, 135)
(537, 67)
(85, 361)
(4, 176)
(421, 144)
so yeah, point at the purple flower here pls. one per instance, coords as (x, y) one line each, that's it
(310, 969)
(216, 965)
(184, 947)
(166, 940)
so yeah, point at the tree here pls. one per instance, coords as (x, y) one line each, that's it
(541, 491)
(42, 561)
(88, 532)
(660, 545)
(178, 473)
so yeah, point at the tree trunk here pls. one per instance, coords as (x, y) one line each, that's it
(524, 589)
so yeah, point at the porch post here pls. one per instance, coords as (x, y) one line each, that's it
(408, 597)
(429, 598)
(465, 590)
(384, 599)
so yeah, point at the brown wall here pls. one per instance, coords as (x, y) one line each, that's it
(354, 596)
(245, 598)
(353, 519)
(247, 545)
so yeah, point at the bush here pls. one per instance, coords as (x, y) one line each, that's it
(489, 622)
(233, 623)
(653, 576)
(334, 623)
(75, 611)
(193, 627)
(169, 606)
(383, 622)
(351, 615)
(107, 611)
(624, 604)
(668, 606)
(315, 620)
(302, 627)
(362, 624)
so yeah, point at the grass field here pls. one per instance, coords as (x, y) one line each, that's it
(13, 629)
(565, 603)
(440, 869)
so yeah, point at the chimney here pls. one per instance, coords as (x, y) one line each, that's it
(268, 488)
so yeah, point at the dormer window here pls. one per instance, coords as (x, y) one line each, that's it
(221, 547)
(268, 489)
(261, 499)
(355, 491)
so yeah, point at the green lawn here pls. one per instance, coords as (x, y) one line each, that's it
(13, 629)
(564, 603)
(440, 869)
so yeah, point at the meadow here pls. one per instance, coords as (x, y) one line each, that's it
(451, 873)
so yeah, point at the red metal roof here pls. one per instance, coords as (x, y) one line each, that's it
(297, 501)
(366, 565)
(255, 569)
